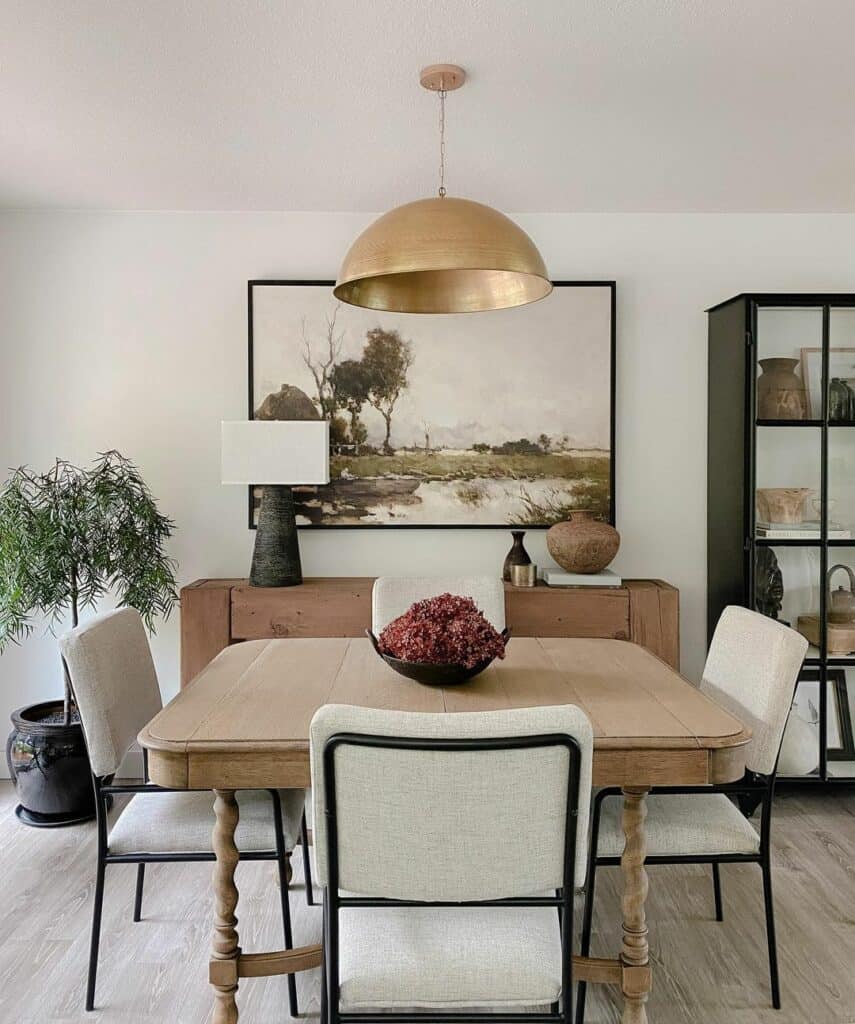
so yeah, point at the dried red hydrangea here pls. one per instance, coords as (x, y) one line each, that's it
(444, 630)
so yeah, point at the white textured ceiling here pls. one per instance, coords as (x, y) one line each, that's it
(579, 105)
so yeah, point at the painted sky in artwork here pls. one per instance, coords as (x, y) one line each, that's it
(489, 377)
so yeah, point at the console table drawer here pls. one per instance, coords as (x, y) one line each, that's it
(320, 607)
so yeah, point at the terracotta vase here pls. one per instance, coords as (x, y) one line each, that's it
(585, 544)
(782, 504)
(781, 393)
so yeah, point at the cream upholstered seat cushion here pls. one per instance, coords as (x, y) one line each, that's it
(446, 957)
(181, 822)
(391, 596)
(682, 824)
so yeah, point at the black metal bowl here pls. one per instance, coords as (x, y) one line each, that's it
(428, 673)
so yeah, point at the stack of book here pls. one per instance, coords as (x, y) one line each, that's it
(808, 530)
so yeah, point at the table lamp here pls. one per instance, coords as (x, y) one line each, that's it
(277, 455)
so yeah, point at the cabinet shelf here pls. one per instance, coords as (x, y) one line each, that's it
(804, 542)
(789, 423)
(792, 542)
(832, 424)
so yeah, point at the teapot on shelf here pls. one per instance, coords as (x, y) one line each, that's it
(841, 602)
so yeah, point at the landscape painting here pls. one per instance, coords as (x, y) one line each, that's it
(500, 418)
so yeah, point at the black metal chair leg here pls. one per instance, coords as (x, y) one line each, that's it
(98, 903)
(588, 913)
(585, 942)
(307, 861)
(284, 896)
(139, 891)
(283, 865)
(770, 932)
(324, 1007)
(716, 881)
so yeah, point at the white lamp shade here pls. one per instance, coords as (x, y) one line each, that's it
(276, 452)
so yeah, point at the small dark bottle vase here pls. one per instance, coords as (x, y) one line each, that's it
(516, 556)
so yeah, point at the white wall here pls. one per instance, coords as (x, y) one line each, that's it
(129, 331)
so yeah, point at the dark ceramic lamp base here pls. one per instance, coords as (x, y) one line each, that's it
(276, 556)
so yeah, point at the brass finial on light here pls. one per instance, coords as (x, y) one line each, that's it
(442, 255)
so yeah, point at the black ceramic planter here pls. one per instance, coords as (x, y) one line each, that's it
(50, 768)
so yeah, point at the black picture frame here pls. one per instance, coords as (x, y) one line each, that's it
(325, 283)
(836, 685)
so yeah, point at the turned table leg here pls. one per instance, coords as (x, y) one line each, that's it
(635, 973)
(225, 949)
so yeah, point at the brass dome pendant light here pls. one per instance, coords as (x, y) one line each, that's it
(442, 255)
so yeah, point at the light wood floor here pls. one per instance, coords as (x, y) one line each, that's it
(154, 972)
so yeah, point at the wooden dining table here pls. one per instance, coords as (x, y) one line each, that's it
(243, 723)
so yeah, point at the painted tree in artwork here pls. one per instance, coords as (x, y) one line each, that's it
(350, 382)
(387, 359)
(321, 366)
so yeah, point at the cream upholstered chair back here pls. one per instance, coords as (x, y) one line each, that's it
(457, 825)
(114, 682)
(752, 669)
(393, 595)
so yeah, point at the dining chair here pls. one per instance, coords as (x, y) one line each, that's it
(448, 847)
(115, 688)
(751, 670)
(393, 595)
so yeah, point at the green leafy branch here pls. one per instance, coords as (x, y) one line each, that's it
(69, 536)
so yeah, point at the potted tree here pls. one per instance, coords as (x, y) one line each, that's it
(69, 537)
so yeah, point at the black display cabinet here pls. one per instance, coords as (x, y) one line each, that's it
(781, 499)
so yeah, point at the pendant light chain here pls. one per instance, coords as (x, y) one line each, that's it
(442, 143)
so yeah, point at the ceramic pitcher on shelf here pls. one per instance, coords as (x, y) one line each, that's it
(841, 602)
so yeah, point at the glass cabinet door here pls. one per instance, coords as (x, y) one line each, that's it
(840, 560)
(789, 373)
(841, 424)
(788, 461)
(788, 468)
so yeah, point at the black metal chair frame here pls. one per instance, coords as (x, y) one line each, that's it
(751, 791)
(334, 902)
(104, 792)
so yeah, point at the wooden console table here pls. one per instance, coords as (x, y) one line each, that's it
(217, 613)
